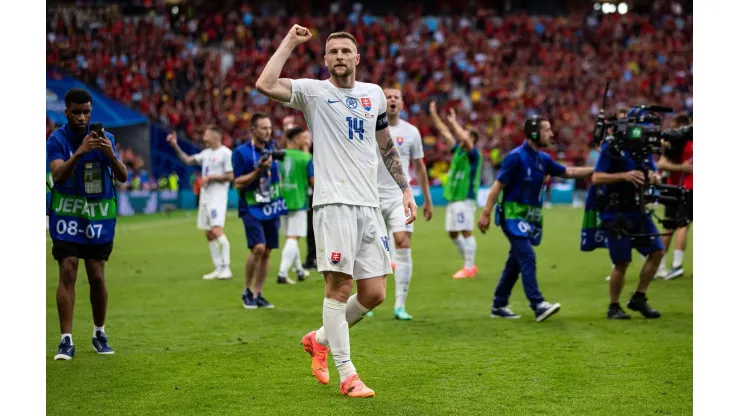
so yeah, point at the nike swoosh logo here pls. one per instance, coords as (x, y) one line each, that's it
(332, 102)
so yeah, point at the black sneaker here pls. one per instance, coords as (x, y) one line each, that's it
(616, 312)
(262, 302)
(285, 280)
(639, 303)
(248, 300)
(503, 312)
(310, 264)
(302, 276)
(545, 310)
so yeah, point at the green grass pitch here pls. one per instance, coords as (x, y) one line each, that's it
(185, 346)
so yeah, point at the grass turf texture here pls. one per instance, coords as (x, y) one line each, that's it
(186, 346)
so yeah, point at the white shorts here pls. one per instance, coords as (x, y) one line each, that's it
(211, 215)
(351, 239)
(394, 217)
(460, 216)
(295, 223)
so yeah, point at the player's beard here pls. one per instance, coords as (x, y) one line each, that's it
(347, 73)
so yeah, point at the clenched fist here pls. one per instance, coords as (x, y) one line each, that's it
(298, 34)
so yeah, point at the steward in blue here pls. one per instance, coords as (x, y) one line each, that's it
(82, 214)
(519, 214)
(257, 179)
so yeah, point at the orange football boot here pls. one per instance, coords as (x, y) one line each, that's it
(354, 387)
(318, 357)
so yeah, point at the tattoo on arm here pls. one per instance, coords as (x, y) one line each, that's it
(392, 160)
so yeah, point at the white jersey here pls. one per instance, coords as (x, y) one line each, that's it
(215, 162)
(342, 122)
(408, 142)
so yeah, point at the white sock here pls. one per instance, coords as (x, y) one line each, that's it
(337, 332)
(98, 328)
(215, 253)
(470, 247)
(354, 313)
(460, 244)
(677, 258)
(288, 256)
(321, 337)
(661, 267)
(225, 251)
(297, 262)
(70, 338)
(402, 275)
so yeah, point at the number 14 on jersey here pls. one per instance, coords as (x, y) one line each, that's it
(355, 126)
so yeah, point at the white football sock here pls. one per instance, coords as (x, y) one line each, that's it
(460, 244)
(297, 261)
(215, 253)
(70, 338)
(288, 256)
(225, 251)
(470, 247)
(354, 314)
(337, 331)
(677, 258)
(355, 311)
(98, 328)
(661, 268)
(402, 275)
(321, 337)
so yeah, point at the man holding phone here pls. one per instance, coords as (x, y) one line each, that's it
(82, 215)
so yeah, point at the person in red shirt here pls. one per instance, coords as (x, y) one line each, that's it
(678, 162)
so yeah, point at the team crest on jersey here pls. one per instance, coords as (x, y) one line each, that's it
(351, 103)
(335, 257)
(366, 103)
(399, 140)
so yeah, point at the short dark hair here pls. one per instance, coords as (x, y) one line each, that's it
(682, 120)
(77, 96)
(342, 35)
(474, 135)
(257, 117)
(292, 133)
(214, 128)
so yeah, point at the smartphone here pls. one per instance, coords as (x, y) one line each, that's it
(97, 128)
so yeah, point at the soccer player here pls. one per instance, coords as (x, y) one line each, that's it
(216, 179)
(296, 172)
(461, 188)
(82, 214)
(348, 121)
(678, 162)
(408, 142)
(257, 177)
(519, 213)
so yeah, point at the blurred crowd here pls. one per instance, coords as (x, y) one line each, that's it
(198, 67)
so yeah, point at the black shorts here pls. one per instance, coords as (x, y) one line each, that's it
(680, 211)
(63, 249)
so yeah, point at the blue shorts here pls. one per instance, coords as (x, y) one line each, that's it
(262, 232)
(620, 249)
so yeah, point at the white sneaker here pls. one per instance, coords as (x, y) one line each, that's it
(674, 273)
(212, 275)
(661, 273)
(224, 274)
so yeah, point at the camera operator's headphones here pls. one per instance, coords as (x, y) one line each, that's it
(532, 128)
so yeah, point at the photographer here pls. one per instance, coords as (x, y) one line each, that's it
(257, 178)
(678, 161)
(620, 177)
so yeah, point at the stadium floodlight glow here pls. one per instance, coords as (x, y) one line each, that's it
(623, 8)
(597, 6)
(607, 8)
(175, 10)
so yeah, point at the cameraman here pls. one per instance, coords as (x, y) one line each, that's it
(620, 180)
(257, 178)
(678, 161)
